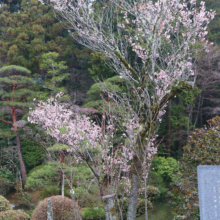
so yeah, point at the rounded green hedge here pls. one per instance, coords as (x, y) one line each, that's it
(14, 215)
(4, 204)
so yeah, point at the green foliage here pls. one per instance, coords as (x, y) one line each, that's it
(15, 87)
(32, 154)
(179, 122)
(5, 175)
(141, 207)
(98, 68)
(95, 93)
(178, 117)
(152, 192)
(85, 187)
(14, 215)
(14, 70)
(4, 204)
(28, 32)
(203, 148)
(155, 179)
(47, 176)
(166, 167)
(94, 214)
(55, 72)
(50, 191)
(43, 176)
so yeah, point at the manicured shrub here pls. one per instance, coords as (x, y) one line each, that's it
(152, 192)
(94, 214)
(141, 207)
(43, 176)
(63, 209)
(4, 204)
(14, 215)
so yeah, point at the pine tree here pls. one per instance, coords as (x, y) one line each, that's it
(54, 72)
(15, 86)
(28, 30)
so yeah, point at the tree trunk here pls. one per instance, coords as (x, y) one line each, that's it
(137, 171)
(21, 161)
(132, 204)
(18, 141)
(109, 207)
(168, 127)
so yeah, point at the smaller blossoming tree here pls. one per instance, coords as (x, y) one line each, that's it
(91, 144)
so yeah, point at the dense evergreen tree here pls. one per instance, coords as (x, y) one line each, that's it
(28, 29)
(15, 90)
(27, 33)
(54, 73)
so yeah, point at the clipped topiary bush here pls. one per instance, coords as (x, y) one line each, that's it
(141, 207)
(63, 209)
(4, 204)
(152, 192)
(14, 215)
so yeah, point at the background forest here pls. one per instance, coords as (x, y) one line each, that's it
(35, 44)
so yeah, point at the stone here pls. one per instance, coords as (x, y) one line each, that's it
(209, 191)
(49, 210)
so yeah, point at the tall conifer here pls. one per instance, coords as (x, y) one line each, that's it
(15, 88)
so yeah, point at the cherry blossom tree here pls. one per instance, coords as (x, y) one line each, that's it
(88, 142)
(149, 44)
